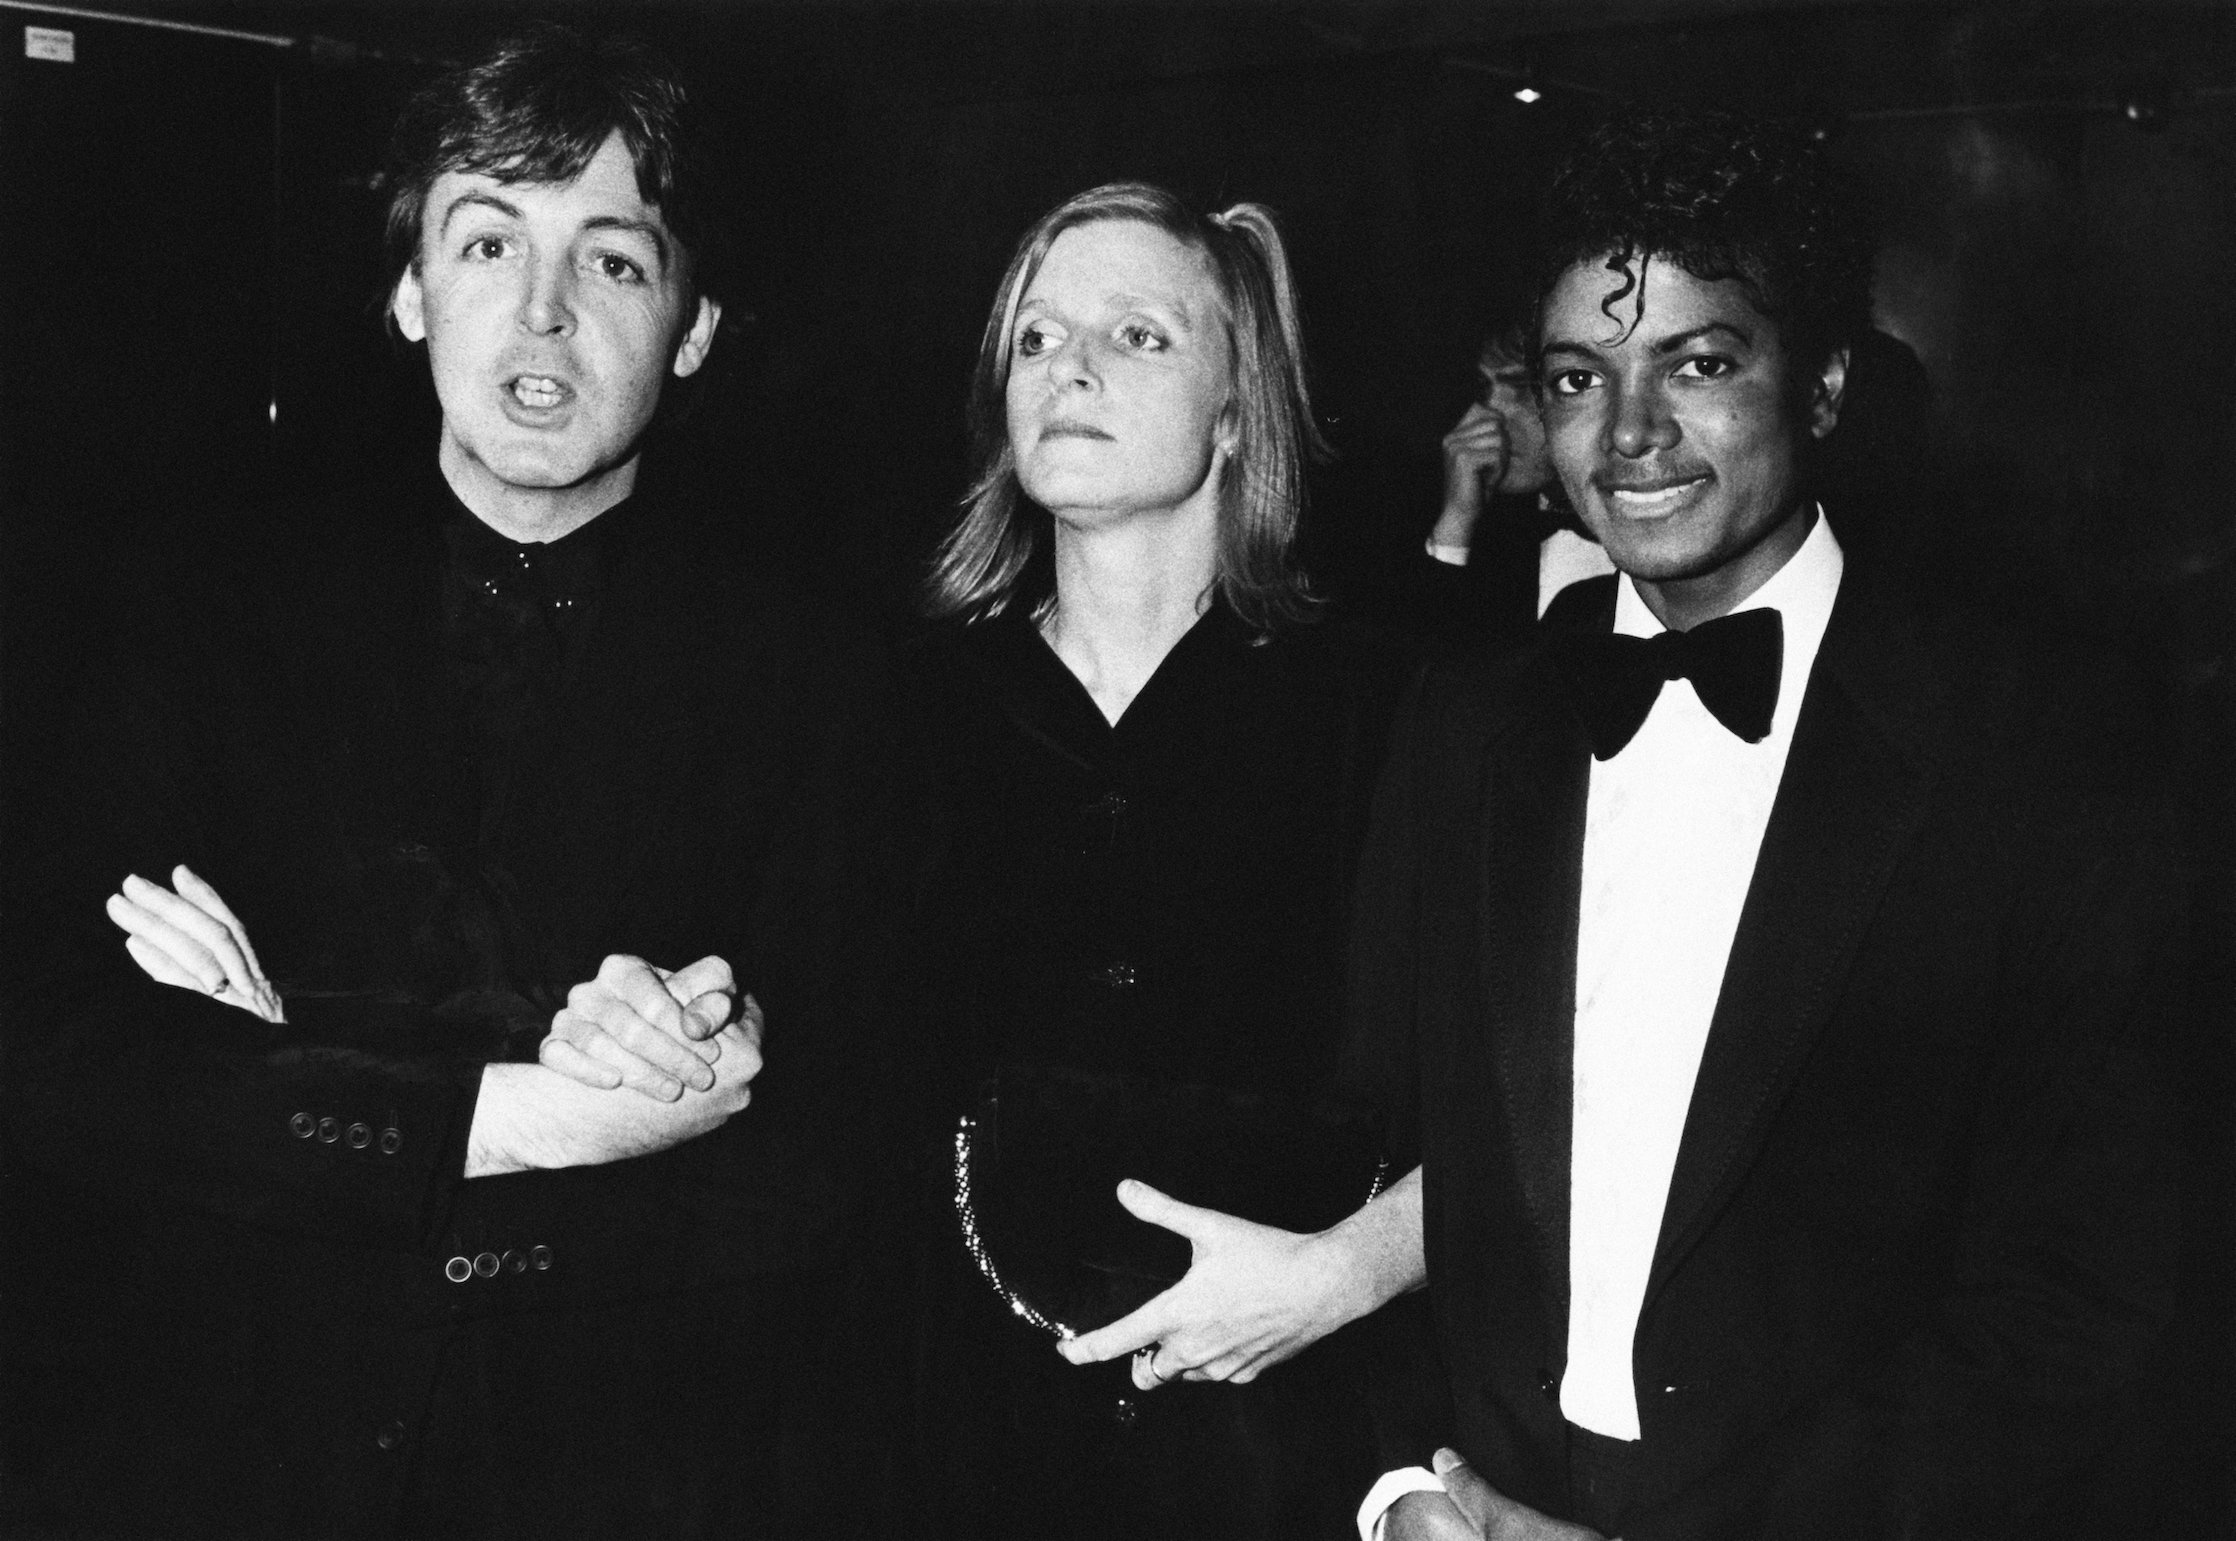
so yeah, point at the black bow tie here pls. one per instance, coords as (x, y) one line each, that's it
(1732, 661)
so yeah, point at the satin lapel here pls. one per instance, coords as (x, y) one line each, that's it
(1855, 789)
(1536, 777)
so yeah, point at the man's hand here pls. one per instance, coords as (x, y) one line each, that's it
(643, 1027)
(191, 939)
(1255, 1296)
(1475, 456)
(530, 1117)
(1470, 1509)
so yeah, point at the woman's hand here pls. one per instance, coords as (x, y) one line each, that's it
(191, 939)
(1254, 1295)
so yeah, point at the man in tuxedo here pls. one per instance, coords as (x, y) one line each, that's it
(505, 753)
(1766, 970)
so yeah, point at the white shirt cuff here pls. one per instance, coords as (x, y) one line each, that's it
(1451, 556)
(1387, 1490)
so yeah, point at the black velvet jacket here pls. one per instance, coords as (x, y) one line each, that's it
(437, 798)
(1158, 903)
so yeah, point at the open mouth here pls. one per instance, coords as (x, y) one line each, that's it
(1072, 431)
(539, 393)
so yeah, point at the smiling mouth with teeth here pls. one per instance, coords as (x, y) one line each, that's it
(538, 391)
(1643, 501)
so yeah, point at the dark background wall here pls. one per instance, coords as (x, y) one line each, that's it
(191, 316)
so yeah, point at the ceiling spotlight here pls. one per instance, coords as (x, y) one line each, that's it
(1529, 94)
(2147, 108)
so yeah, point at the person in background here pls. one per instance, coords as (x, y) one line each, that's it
(501, 753)
(1504, 523)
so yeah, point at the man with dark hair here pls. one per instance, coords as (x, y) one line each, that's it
(506, 754)
(1765, 969)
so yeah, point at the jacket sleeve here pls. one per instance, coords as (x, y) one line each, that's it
(139, 1091)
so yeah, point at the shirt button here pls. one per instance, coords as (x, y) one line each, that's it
(458, 1270)
(360, 1136)
(302, 1126)
(1118, 976)
(486, 1265)
(390, 1436)
(329, 1130)
(391, 1141)
(1546, 1385)
(540, 1257)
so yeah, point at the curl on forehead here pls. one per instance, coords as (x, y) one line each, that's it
(1723, 196)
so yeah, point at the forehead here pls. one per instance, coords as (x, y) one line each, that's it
(1642, 302)
(1122, 262)
(605, 190)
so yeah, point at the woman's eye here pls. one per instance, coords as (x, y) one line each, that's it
(1033, 341)
(1141, 339)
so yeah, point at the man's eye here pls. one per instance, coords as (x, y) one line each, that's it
(1570, 382)
(486, 247)
(1142, 339)
(620, 268)
(1706, 366)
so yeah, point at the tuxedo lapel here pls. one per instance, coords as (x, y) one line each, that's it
(1536, 777)
(1854, 792)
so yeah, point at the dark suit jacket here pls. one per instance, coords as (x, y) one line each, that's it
(1919, 1228)
(240, 1319)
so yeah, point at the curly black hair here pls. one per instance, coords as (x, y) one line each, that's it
(1723, 196)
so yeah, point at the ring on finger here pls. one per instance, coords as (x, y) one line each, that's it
(1147, 1359)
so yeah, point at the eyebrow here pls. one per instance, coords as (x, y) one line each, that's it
(1662, 347)
(1174, 307)
(481, 198)
(476, 197)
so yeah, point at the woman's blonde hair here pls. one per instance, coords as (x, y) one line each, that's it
(1000, 552)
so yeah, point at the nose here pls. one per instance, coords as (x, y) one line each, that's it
(1074, 367)
(547, 306)
(1643, 422)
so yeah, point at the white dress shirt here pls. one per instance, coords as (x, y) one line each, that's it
(1672, 826)
(1671, 829)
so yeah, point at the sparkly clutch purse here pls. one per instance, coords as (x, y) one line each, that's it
(1039, 1157)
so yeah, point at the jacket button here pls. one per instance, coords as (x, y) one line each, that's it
(1119, 976)
(458, 1270)
(302, 1126)
(391, 1141)
(486, 1265)
(359, 1136)
(1547, 1386)
(515, 1261)
(540, 1257)
(329, 1130)
(390, 1436)
(1109, 805)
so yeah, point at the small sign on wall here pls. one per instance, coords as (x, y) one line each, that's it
(50, 43)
